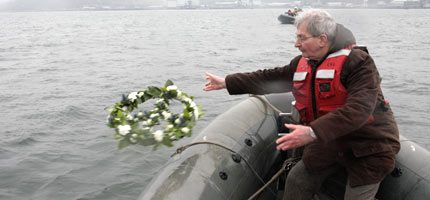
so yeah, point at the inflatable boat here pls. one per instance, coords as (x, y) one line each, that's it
(286, 19)
(235, 156)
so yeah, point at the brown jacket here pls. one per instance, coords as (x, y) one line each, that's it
(366, 150)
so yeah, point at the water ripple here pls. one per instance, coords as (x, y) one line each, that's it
(59, 70)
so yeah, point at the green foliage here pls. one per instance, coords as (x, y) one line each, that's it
(123, 143)
(168, 83)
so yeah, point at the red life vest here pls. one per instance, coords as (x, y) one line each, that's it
(329, 93)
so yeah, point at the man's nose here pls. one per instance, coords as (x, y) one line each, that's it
(297, 44)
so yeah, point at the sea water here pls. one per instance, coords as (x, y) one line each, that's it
(59, 71)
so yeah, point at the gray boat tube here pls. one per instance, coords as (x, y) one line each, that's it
(410, 180)
(240, 143)
(208, 171)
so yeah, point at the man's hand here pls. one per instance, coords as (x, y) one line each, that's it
(299, 136)
(215, 82)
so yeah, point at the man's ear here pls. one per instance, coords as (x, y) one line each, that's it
(323, 40)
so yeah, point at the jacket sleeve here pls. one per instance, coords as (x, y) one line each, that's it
(362, 83)
(265, 81)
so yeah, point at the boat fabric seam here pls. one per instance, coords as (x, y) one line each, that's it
(416, 184)
(404, 166)
(408, 140)
(183, 148)
(416, 174)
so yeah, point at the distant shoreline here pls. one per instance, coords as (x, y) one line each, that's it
(216, 8)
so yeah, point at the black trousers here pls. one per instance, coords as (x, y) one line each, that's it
(302, 185)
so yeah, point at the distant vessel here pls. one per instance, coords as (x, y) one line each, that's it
(289, 17)
(286, 18)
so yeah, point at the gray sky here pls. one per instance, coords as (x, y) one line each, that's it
(72, 4)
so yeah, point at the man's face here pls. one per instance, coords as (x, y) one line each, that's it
(309, 46)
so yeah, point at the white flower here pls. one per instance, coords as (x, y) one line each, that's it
(158, 135)
(186, 99)
(160, 100)
(124, 129)
(179, 93)
(192, 104)
(153, 115)
(177, 121)
(185, 130)
(134, 135)
(196, 113)
(129, 117)
(166, 114)
(140, 114)
(132, 96)
(140, 94)
(147, 122)
(171, 87)
(170, 126)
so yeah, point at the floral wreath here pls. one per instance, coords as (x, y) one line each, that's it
(139, 128)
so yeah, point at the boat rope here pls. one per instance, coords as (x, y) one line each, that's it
(182, 148)
(266, 102)
(288, 164)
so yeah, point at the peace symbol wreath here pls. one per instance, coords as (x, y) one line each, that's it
(139, 128)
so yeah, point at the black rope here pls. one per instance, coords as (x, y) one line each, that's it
(288, 164)
(265, 102)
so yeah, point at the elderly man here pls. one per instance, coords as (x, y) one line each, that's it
(346, 122)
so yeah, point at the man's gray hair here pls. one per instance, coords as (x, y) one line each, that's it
(319, 22)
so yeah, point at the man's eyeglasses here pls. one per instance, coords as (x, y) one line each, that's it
(301, 38)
